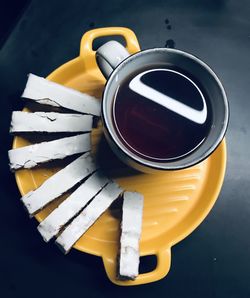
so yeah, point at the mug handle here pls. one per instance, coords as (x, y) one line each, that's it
(109, 55)
(161, 270)
(88, 55)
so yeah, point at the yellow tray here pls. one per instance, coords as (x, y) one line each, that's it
(176, 202)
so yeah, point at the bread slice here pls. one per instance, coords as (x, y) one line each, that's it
(59, 183)
(46, 92)
(88, 216)
(30, 156)
(50, 122)
(130, 236)
(70, 207)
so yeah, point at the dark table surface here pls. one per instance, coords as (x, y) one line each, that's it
(214, 261)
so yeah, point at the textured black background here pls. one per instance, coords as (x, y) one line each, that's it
(38, 36)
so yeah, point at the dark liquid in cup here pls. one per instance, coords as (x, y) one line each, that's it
(161, 113)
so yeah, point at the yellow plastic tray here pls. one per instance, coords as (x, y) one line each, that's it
(176, 202)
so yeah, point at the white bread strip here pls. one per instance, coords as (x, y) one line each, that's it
(50, 122)
(70, 207)
(131, 233)
(30, 156)
(47, 92)
(88, 216)
(59, 183)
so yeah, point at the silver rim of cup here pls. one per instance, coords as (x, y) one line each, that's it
(125, 152)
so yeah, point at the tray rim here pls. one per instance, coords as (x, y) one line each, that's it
(77, 63)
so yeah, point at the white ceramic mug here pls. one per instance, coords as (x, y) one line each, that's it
(117, 64)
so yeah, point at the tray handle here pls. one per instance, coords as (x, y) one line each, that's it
(86, 48)
(161, 270)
